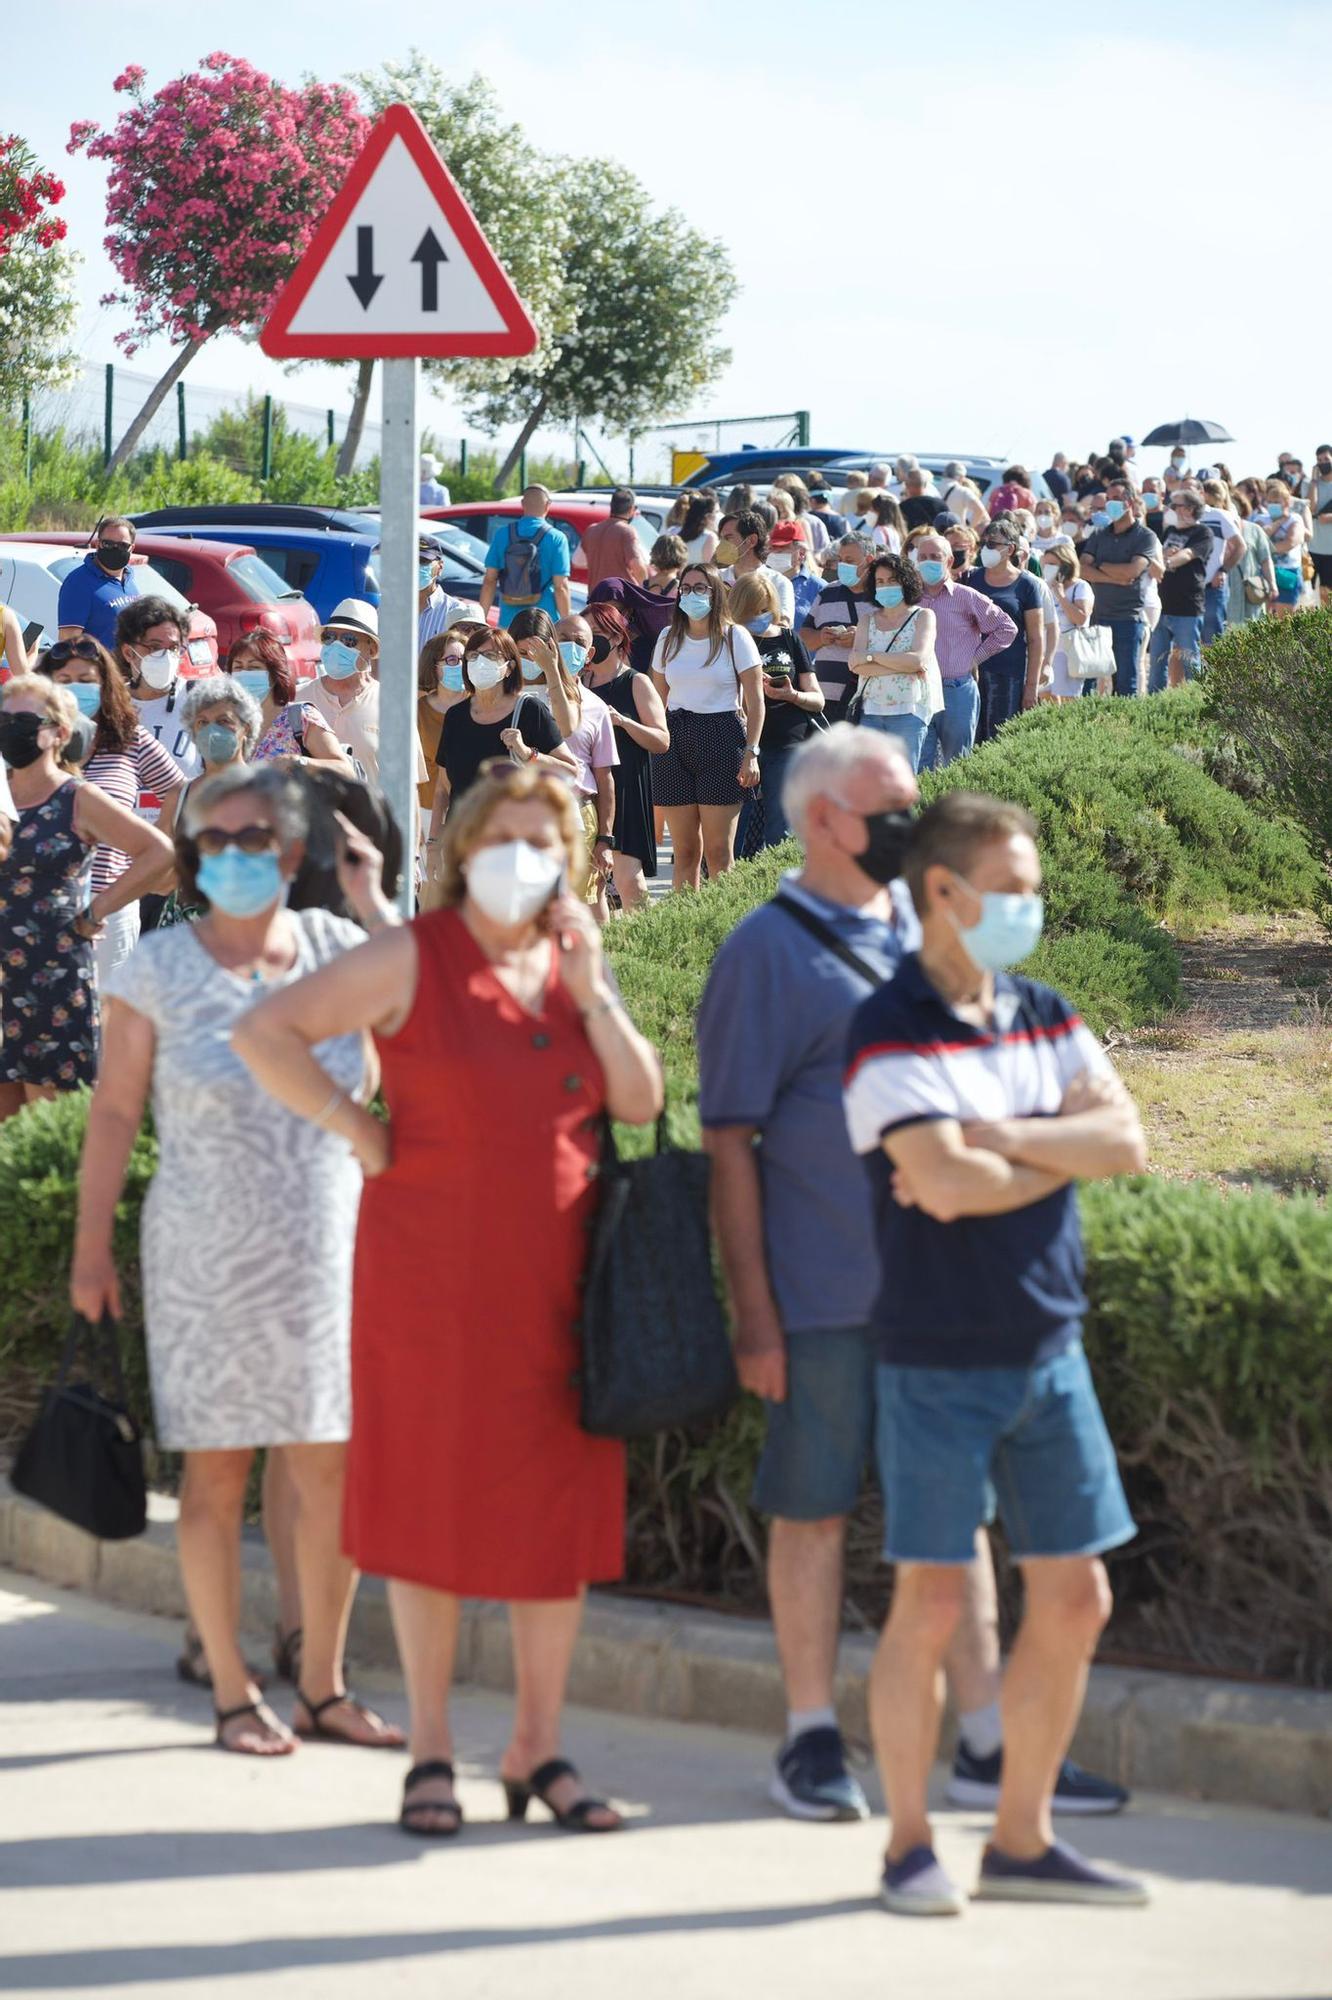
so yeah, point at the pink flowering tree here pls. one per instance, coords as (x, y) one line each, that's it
(216, 186)
(37, 309)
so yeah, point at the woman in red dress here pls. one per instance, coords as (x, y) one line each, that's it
(503, 1043)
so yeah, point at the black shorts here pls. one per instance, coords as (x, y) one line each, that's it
(702, 766)
(1322, 569)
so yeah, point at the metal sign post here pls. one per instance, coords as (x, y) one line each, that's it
(398, 269)
(398, 474)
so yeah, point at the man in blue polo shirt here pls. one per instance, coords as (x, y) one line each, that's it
(979, 1100)
(527, 563)
(93, 595)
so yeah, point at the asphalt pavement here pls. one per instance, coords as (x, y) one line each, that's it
(136, 1859)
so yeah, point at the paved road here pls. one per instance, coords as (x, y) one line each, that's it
(136, 1860)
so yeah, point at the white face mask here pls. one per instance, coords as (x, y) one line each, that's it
(1050, 571)
(1170, 518)
(1045, 524)
(993, 557)
(484, 673)
(510, 883)
(158, 669)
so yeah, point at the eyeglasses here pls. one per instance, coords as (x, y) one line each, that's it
(249, 839)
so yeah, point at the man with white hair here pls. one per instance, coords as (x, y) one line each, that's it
(433, 493)
(795, 1226)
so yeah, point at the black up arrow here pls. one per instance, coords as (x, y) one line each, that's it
(430, 254)
(363, 280)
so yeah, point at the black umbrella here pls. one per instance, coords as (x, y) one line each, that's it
(1190, 430)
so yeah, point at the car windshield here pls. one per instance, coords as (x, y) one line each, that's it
(259, 582)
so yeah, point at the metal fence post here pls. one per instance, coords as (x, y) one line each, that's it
(802, 427)
(27, 439)
(266, 461)
(108, 419)
(182, 435)
(332, 438)
(462, 458)
(522, 473)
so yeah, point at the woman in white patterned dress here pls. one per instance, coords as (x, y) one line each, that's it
(247, 1231)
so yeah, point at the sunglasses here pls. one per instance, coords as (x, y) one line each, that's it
(249, 839)
(71, 649)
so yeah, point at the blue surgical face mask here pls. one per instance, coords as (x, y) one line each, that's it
(532, 672)
(425, 575)
(1101, 518)
(1274, 510)
(217, 743)
(848, 574)
(239, 884)
(573, 655)
(451, 676)
(1008, 928)
(695, 603)
(931, 570)
(339, 660)
(759, 624)
(889, 595)
(1114, 510)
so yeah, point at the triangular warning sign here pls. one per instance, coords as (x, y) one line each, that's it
(398, 266)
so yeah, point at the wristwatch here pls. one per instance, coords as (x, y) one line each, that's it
(604, 840)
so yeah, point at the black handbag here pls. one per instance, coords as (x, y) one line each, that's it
(83, 1457)
(656, 1352)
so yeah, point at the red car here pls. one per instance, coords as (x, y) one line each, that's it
(484, 518)
(231, 584)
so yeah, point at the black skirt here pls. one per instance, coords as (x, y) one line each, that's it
(635, 828)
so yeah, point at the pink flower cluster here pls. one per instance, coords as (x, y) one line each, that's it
(216, 186)
(27, 192)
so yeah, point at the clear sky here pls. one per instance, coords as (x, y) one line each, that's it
(987, 227)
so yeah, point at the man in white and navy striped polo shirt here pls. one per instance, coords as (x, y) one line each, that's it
(978, 1101)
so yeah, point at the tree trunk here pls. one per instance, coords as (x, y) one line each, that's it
(518, 447)
(351, 444)
(157, 395)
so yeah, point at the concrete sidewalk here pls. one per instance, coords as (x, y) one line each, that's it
(135, 1858)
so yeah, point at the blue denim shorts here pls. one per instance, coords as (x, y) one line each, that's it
(953, 1442)
(819, 1439)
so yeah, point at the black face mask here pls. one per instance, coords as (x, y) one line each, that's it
(113, 555)
(18, 739)
(888, 833)
(601, 649)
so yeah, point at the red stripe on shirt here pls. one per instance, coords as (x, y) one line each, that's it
(1012, 1037)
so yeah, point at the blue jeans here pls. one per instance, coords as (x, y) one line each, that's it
(1000, 696)
(1215, 612)
(776, 826)
(910, 731)
(950, 1442)
(1126, 637)
(1178, 632)
(953, 731)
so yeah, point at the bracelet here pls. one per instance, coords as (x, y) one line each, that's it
(604, 840)
(608, 1006)
(338, 1097)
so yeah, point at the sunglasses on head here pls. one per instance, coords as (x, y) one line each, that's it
(249, 839)
(71, 649)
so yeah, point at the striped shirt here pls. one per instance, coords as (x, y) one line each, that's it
(138, 778)
(441, 612)
(969, 628)
(997, 1291)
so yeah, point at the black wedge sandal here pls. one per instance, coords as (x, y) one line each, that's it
(575, 1818)
(409, 1817)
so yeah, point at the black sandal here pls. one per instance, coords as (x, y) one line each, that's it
(192, 1665)
(287, 1655)
(576, 1818)
(222, 1716)
(314, 1709)
(437, 1767)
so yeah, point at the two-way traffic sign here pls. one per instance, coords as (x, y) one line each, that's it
(398, 266)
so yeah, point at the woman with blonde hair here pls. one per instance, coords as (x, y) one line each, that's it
(49, 1019)
(1074, 602)
(504, 1045)
(439, 687)
(708, 673)
(1287, 534)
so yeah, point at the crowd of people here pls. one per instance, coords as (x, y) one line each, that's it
(356, 1116)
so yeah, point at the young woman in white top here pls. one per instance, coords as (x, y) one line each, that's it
(1074, 602)
(901, 689)
(698, 530)
(708, 673)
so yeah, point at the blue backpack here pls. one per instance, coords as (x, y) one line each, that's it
(520, 577)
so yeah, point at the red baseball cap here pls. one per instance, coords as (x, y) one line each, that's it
(785, 533)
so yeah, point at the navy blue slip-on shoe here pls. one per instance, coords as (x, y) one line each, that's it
(811, 1780)
(916, 1886)
(974, 1781)
(1060, 1875)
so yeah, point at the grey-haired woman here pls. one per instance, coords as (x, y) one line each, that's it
(247, 1229)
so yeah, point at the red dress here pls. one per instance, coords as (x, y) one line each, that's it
(467, 1470)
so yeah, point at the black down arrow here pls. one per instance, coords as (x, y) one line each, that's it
(430, 254)
(363, 280)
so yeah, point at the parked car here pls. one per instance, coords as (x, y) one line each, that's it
(573, 517)
(33, 567)
(760, 467)
(233, 585)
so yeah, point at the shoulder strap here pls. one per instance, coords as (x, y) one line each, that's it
(827, 937)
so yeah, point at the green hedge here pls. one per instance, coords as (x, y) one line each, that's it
(1269, 683)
